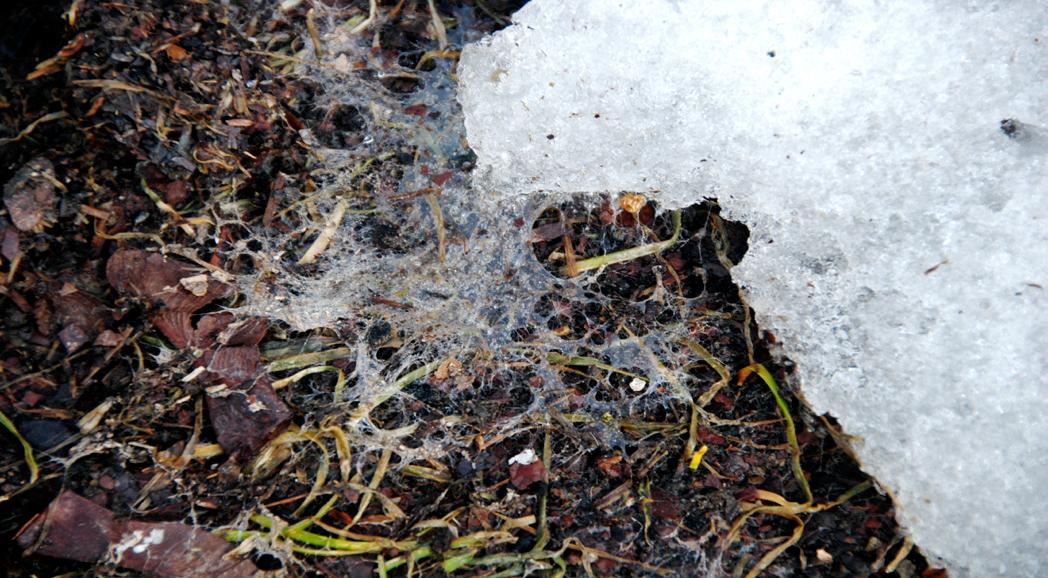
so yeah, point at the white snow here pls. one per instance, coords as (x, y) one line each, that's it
(900, 238)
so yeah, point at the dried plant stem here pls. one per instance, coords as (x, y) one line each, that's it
(438, 218)
(326, 235)
(628, 254)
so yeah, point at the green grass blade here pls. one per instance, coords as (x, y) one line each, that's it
(27, 450)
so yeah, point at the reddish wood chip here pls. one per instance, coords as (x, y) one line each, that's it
(416, 109)
(30, 195)
(223, 328)
(176, 326)
(441, 178)
(612, 466)
(177, 550)
(72, 527)
(232, 365)
(665, 505)
(245, 420)
(174, 192)
(523, 475)
(548, 232)
(175, 52)
(10, 246)
(80, 309)
(153, 276)
(73, 337)
(76, 528)
(109, 338)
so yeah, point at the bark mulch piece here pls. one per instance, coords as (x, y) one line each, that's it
(30, 195)
(76, 528)
(244, 409)
(170, 282)
(245, 418)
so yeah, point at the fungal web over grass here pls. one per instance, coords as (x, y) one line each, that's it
(435, 330)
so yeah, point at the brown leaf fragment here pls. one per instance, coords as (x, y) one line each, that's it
(245, 420)
(210, 326)
(76, 528)
(247, 332)
(154, 276)
(78, 316)
(30, 195)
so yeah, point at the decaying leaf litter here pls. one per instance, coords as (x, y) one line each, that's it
(255, 320)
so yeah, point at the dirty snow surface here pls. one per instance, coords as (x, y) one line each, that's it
(900, 245)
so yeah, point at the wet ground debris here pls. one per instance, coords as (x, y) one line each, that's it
(143, 147)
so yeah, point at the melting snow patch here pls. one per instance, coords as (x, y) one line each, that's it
(891, 162)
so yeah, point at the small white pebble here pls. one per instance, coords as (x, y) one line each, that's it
(638, 384)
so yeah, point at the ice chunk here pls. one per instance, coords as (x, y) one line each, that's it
(900, 228)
